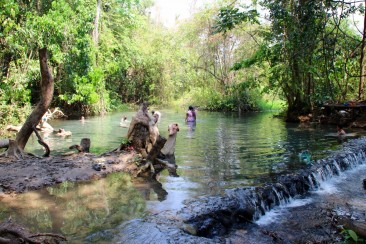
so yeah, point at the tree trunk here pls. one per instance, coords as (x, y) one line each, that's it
(42, 106)
(96, 23)
(362, 65)
(85, 144)
(5, 65)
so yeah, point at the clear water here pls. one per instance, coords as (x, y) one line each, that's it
(221, 151)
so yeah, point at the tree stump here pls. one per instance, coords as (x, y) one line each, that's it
(83, 147)
(85, 144)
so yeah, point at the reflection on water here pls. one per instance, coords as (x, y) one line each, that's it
(220, 151)
(76, 209)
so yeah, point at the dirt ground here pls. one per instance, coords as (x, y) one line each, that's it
(31, 173)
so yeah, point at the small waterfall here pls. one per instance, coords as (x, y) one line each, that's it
(239, 205)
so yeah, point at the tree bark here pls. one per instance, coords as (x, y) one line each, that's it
(47, 87)
(96, 23)
(361, 85)
(154, 152)
(85, 144)
(83, 147)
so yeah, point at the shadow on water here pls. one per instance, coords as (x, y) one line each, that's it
(221, 151)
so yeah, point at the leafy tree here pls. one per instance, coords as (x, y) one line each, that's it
(307, 70)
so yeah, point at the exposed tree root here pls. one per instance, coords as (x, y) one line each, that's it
(40, 141)
(165, 163)
(13, 150)
(13, 233)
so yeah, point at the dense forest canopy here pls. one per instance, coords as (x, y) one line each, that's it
(228, 56)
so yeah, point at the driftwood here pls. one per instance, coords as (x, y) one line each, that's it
(4, 143)
(15, 128)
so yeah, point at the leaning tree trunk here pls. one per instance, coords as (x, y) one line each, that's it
(43, 104)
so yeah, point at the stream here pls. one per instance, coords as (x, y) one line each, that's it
(222, 151)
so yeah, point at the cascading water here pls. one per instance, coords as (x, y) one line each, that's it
(213, 215)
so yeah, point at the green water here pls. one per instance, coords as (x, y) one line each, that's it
(221, 151)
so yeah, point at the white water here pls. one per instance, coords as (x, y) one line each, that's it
(345, 188)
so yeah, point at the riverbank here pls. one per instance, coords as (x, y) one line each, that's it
(188, 138)
(32, 173)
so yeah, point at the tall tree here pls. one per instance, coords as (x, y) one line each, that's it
(44, 103)
(361, 86)
(96, 22)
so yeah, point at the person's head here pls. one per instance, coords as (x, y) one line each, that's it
(339, 127)
(190, 108)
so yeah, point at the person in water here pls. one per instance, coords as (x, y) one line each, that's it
(340, 130)
(191, 115)
(123, 122)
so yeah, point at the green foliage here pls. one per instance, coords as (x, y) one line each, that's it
(236, 97)
(222, 59)
(12, 114)
(229, 17)
(350, 236)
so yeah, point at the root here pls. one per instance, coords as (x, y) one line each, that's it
(17, 234)
(13, 150)
(40, 141)
(49, 234)
(144, 167)
(14, 233)
(165, 163)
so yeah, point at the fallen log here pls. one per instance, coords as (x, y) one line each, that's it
(4, 143)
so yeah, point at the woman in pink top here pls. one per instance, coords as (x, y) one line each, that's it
(190, 115)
